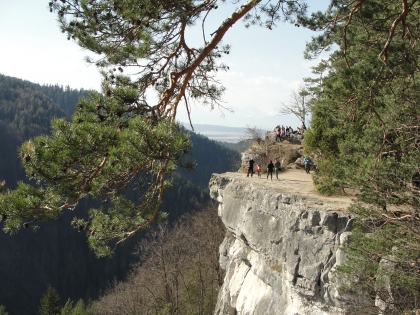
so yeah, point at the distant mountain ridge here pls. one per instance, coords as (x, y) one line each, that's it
(208, 127)
(218, 133)
(223, 133)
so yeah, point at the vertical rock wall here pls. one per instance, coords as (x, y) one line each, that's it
(280, 249)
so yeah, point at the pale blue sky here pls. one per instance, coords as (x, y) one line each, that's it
(265, 66)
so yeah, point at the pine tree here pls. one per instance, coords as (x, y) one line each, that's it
(366, 126)
(79, 308)
(50, 303)
(67, 308)
(119, 139)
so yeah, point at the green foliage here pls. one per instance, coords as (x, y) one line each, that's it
(26, 109)
(383, 258)
(99, 154)
(67, 308)
(79, 308)
(363, 122)
(50, 303)
(124, 32)
(150, 37)
(366, 125)
(3, 310)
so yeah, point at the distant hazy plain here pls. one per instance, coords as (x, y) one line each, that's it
(219, 133)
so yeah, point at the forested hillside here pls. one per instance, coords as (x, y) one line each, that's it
(65, 97)
(25, 111)
(57, 254)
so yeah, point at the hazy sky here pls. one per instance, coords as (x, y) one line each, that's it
(265, 66)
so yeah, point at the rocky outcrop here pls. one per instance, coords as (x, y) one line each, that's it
(262, 152)
(246, 156)
(293, 138)
(282, 244)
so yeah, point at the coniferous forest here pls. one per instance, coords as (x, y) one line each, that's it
(57, 255)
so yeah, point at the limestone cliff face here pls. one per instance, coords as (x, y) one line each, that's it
(282, 245)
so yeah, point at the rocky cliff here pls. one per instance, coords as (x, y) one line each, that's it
(281, 247)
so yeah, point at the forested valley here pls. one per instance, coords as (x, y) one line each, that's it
(57, 256)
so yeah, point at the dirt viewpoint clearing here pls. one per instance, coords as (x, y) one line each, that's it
(296, 182)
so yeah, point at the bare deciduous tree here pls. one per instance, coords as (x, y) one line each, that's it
(179, 272)
(299, 104)
(253, 134)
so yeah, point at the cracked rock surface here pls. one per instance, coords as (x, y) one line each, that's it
(282, 244)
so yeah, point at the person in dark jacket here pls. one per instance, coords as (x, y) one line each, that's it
(270, 168)
(307, 161)
(250, 167)
(277, 168)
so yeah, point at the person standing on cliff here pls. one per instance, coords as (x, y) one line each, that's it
(277, 168)
(250, 167)
(258, 169)
(307, 161)
(277, 131)
(270, 168)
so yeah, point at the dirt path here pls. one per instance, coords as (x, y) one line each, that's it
(297, 182)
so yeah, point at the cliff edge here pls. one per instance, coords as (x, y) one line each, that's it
(281, 246)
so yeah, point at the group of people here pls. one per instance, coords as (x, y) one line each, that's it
(271, 167)
(287, 131)
(274, 167)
